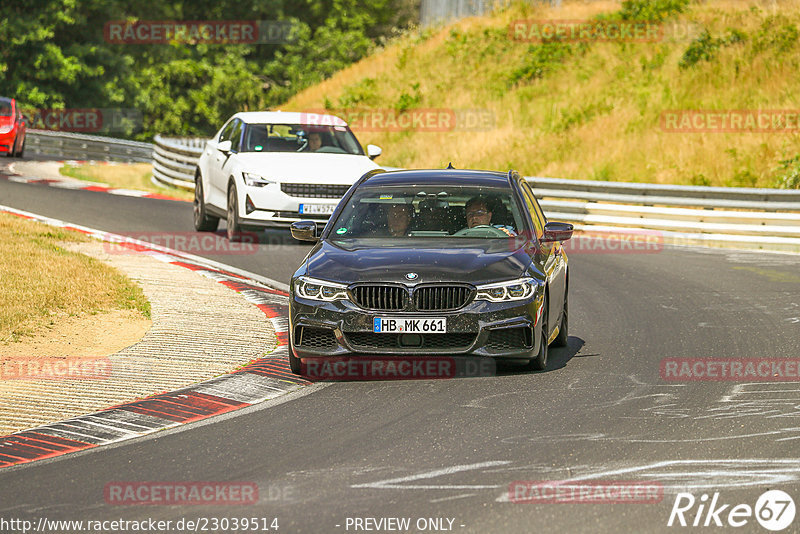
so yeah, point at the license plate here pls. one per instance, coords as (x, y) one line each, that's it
(317, 209)
(393, 325)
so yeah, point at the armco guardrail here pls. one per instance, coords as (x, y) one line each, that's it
(174, 160)
(686, 215)
(86, 147)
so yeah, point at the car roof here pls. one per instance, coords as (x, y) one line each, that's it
(289, 117)
(439, 177)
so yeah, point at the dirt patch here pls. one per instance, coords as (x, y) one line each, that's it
(101, 334)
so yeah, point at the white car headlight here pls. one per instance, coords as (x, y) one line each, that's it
(255, 180)
(5, 129)
(314, 289)
(519, 289)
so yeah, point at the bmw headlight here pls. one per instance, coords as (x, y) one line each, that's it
(520, 289)
(311, 288)
(255, 180)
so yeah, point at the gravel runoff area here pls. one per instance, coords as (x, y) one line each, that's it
(200, 329)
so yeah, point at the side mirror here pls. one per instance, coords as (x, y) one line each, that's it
(373, 151)
(225, 146)
(557, 231)
(304, 230)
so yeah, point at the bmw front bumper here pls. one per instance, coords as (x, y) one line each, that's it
(505, 330)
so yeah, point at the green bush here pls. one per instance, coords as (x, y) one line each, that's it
(788, 173)
(652, 10)
(777, 34)
(409, 101)
(540, 60)
(704, 48)
(362, 93)
(699, 179)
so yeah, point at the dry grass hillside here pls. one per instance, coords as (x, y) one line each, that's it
(588, 110)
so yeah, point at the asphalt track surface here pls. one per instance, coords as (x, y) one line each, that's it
(451, 448)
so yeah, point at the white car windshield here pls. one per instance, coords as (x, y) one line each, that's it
(300, 138)
(429, 211)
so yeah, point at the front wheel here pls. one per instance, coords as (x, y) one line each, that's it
(11, 152)
(563, 327)
(234, 230)
(294, 362)
(539, 363)
(202, 221)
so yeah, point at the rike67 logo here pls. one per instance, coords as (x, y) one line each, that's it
(774, 510)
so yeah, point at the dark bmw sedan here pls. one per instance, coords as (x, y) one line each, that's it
(432, 262)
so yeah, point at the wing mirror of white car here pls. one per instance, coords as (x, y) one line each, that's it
(224, 146)
(373, 151)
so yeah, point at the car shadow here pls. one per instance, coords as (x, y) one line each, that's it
(427, 367)
(556, 359)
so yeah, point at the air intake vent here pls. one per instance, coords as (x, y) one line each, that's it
(508, 339)
(314, 338)
(365, 341)
(315, 190)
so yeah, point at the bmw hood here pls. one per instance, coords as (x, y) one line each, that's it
(475, 261)
(310, 168)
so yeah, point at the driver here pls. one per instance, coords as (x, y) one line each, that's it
(398, 218)
(479, 214)
(314, 141)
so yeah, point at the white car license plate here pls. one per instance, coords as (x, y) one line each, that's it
(393, 325)
(317, 209)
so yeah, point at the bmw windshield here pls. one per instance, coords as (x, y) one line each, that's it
(429, 211)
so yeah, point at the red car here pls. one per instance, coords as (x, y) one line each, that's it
(12, 128)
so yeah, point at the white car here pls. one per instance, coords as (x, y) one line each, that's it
(271, 168)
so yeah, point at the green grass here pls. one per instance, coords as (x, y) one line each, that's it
(40, 280)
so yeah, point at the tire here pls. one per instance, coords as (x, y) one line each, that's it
(294, 362)
(563, 327)
(203, 222)
(234, 230)
(21, 152)
(11, 152)
(539, 363)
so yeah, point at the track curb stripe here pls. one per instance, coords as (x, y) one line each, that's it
(259, 380)
(90, 186)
